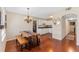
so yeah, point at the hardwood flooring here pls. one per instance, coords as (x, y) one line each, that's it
(68, 44)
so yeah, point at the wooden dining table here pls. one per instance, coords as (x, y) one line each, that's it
(31, 39)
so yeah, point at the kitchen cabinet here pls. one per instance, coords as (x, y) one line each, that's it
(44, 30)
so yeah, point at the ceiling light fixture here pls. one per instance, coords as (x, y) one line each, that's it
(28, 18)
(56, 20)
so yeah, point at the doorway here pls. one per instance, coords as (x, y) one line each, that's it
(71, 36)
(72, 32)
(69, 24)
(72, 28)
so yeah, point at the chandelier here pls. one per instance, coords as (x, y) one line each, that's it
(28, 18)
(55, 20)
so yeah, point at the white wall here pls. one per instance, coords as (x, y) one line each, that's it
(63, 28)
(67, 27)
(16, 24)
(77, 32)
(57, 31)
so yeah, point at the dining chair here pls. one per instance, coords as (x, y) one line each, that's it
(22, 41)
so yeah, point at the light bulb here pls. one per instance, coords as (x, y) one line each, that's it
(58, 22)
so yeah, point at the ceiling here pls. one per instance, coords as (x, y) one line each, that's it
(42, 12)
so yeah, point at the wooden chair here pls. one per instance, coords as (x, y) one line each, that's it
(22, 41)
(25, 34)
(36, 39)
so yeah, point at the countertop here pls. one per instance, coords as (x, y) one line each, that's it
(48, 26)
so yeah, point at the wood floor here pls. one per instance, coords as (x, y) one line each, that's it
(68, 44)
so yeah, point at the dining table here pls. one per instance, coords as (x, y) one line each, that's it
(32, 38)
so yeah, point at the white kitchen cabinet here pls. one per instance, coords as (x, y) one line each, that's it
(44, 30)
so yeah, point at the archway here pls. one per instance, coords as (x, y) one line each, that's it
(69, 29)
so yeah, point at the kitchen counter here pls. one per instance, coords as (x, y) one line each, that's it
(44, 27)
